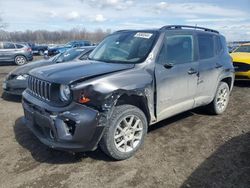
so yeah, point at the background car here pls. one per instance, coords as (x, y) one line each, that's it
(16, 81)
(15, 52)
(59, 49)
(241, 61)
(38, 49)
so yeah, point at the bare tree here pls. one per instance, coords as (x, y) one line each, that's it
(56, 37)
(2, 24)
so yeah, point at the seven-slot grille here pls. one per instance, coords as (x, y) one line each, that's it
(241, 67)
(39, 88)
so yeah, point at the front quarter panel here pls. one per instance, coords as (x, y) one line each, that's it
(105, 91)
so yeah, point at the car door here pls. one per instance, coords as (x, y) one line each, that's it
(176, 73)
(209, 67)
(9, 50)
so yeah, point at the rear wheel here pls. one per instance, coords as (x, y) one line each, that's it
(20, 60)
(221, 99)
(125, 133)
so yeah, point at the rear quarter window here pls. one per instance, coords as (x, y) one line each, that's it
(206, 46)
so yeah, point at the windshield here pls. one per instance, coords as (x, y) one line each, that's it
(68, 55)
(245, 48)
(125, 47)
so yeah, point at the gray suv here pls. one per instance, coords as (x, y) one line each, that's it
(133, 79)
(15, 52)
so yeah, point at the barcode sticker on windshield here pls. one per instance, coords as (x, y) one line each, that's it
(143, 35)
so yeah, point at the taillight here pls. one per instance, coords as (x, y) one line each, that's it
(29, 49)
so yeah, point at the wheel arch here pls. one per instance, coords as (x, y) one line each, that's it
(20, 55)
(135, 100)
(228, 81)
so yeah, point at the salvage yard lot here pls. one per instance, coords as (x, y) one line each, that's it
(192, 149)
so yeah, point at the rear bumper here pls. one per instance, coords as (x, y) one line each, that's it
(29, 57)
(75, 128)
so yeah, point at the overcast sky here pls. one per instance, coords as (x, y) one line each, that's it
(230, 17)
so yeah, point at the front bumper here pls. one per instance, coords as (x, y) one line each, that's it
(14, 87)
(74, 128)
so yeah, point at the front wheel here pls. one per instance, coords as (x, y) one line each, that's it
(221, 99)
(20, 60)
(125, 133)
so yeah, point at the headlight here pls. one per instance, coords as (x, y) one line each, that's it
(64, 92)
(22, 77)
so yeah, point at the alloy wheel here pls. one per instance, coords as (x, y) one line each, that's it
(128, 134)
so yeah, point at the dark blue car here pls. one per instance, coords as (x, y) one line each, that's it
(60, 49)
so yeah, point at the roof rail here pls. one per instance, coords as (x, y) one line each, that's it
(123, 30)
(172, 27)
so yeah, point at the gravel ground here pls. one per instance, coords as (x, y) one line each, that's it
(192, 149)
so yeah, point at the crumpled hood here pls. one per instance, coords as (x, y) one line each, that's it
(66, 73)
(241, 57)
(26, 68)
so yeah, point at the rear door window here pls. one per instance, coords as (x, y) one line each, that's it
(206, 46)
(177, 49)
(19, 46)
(8, 45)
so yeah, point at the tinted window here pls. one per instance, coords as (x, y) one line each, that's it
(177, 49)
(244, 48)
(206, 46)
(87, 43)
(19, 46)
(8, 45)
(218, 45)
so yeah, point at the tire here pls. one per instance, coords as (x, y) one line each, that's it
(119, 148)
(221, 99)
(20, 60)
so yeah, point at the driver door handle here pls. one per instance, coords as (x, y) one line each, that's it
(168, 65)
(192, 71)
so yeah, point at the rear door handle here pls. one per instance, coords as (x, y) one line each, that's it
(218, 66)
(192, 71)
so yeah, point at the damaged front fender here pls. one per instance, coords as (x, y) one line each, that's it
(134, 86)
